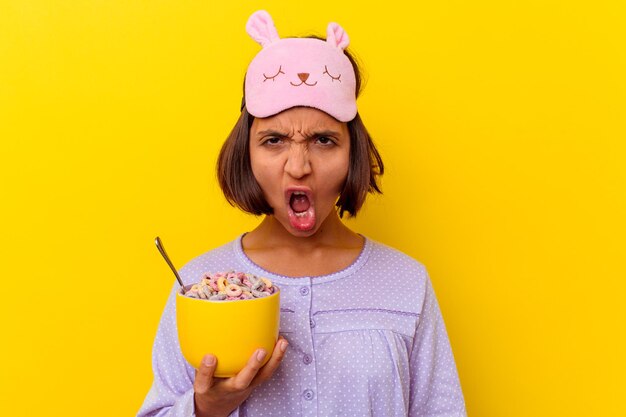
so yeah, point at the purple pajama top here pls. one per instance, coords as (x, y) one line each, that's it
(368, 340)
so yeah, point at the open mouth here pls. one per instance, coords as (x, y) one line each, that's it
(301, 211)
(299, 203)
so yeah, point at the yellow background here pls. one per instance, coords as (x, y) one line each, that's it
(502, 125)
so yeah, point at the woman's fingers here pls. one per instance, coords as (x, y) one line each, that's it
(250, 376)
(277, 356)
(204, 375)
(242, 380)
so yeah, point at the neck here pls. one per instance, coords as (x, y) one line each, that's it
(331, 248)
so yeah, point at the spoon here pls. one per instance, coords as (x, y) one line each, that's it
(161, 249)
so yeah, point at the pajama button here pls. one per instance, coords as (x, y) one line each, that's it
(304, 290)
(312, 323)
(307, 359)
(308, 394)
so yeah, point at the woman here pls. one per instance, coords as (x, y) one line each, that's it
(361, 330)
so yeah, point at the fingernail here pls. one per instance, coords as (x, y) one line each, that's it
(208, 361)
(283, 345)
(260, 354)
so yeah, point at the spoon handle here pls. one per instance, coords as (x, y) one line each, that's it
(161, 249)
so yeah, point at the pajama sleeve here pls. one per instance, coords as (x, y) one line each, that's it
(435, 387)
(171, 393)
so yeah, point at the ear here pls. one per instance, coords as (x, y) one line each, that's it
(336, 36)
(261, 28)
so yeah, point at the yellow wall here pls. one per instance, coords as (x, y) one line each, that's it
(502, 125)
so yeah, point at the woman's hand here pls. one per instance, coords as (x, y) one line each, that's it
(216, 397)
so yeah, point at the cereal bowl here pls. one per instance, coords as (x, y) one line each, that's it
(230, 330)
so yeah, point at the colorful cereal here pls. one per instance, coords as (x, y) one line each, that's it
(231, 286)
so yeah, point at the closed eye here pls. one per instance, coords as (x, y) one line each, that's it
(330, 75)
(280, 71)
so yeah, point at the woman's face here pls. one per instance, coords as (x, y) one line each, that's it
(300, 159)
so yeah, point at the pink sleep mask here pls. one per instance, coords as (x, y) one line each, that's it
(299, 72)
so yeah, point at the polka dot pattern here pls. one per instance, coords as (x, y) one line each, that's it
(368, 340)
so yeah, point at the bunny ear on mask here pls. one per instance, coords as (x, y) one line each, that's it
(260, 27)
(336, 36)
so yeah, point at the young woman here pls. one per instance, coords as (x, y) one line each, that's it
(361, 330)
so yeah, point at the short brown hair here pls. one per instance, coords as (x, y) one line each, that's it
(234, 171)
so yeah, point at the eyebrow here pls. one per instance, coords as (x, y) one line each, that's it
(326, 133)
(272, 132)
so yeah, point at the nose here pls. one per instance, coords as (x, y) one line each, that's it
(298, 164)
(303, 76)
